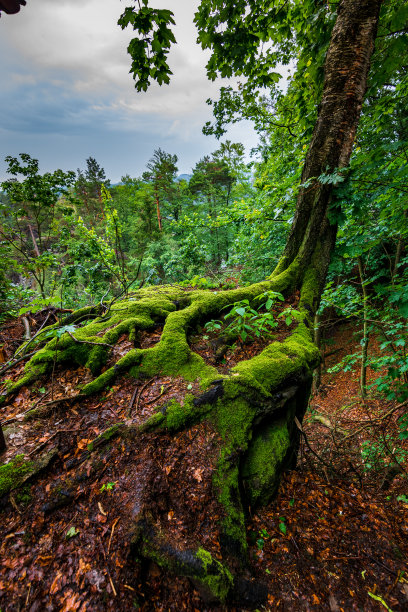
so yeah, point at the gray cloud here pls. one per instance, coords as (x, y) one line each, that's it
(66, 80)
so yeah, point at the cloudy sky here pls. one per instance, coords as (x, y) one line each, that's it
(66, 92)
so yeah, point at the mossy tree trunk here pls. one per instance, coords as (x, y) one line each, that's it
(253, 409)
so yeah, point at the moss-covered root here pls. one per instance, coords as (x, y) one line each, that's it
(273, 448)
(214, 581)
(90, 345)
(18, 471)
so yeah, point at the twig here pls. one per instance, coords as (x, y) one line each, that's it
(67, 524)
(370, 422)
(34, 337)
(140, 395)
(379, 563)
(55, 402)
(107, 568)
(11, 364)
(158, 396)
(88, 341)
(132, 401)
(115, 522)
(28, 596)
(13, 503)
(299, 426)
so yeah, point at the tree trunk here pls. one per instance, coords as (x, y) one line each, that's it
(346, 70)
(241, 425)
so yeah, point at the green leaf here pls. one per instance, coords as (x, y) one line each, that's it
(240, 311)
(282, 527)
(71, 533)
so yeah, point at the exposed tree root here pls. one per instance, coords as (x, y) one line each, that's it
(252, 409)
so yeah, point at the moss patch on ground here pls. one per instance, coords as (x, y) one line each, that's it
(12, 474)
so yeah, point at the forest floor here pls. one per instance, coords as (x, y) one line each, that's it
(334, 539)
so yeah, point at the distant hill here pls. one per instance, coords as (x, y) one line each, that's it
(184, 177)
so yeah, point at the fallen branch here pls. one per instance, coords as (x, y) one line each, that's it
(327, 465)
(27, 331)
(11, 364)
(139, 396)
(15, 418)
(371, 422)
(132, 401)
(88, 341)
(42, 410)
(34, 337)
(37, 448)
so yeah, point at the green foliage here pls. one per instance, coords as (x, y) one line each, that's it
(290, 315)
(27, 217)
(108, 486)
(377, 455)
(247, 322)
(35, 305)
(263, 535)
(150, 48)
(282, 525)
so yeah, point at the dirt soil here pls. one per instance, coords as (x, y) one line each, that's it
(334, 539)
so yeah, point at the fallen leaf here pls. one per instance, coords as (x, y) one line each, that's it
(83, 443)
(102, 511)
(197, 474)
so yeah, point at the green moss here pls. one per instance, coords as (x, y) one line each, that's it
(182, 415)
(13, 473)
(171, 356)
(105, 436)
(23, 496)
(152, 422)
(233, 418)
(177, 415)
(124, 364)
(263, 465)
(266, 371)
(216, 578)
(207, 573)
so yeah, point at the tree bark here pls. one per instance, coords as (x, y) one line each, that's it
(346, 70)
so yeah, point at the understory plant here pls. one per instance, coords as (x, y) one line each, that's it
(248, 323)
